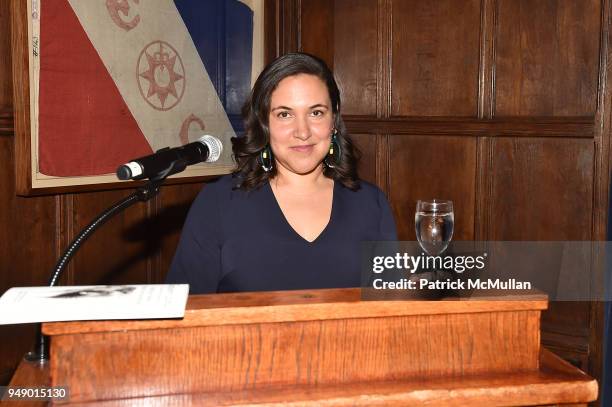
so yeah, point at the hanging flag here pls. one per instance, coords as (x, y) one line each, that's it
(119, 79)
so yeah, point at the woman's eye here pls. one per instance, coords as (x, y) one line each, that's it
(283, 115)
(318, 113)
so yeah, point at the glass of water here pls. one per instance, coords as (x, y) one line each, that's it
(434, 221)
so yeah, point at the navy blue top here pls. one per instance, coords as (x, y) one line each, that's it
(234, 240)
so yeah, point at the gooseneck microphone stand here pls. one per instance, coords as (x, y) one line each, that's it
(149, 190)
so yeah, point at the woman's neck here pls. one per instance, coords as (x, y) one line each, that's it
(300, 182)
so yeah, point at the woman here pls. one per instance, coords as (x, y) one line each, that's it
(294, 213)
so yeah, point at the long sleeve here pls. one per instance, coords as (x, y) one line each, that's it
(197, 260)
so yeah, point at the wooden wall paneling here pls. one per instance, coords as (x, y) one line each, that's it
(174, 203)
(118, 252)
(542, 188)
(153, 210)
(442, 167)
(316, 21)
(16, 341)
(602, 189)
(355, 63)
(384, 54)
(578, 127)
(65, 233)
(288, 17)
(486, 102)
(382, 163)
(367, 145)
(486, 72)
(547, 56)
(484, 184)
(435, 63)
(6, 89)
(27, 252)
(6, 122)
(271, 44)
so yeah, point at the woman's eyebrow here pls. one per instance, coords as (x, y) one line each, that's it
(318, 105)
(280, 108)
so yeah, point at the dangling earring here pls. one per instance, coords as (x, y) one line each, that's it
(265, 158)
(334, 151)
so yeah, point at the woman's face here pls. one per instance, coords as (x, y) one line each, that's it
(300, 121)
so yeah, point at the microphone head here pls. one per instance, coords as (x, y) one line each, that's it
(124, 173)
(215, 148)
(129, 171)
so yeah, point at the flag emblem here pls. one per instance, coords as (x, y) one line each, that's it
(163, 75)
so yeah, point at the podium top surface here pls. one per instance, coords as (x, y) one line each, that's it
(308, 305)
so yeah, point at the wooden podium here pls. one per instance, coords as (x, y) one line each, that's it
(325, 347)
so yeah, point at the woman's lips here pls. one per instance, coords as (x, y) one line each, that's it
(302, 149)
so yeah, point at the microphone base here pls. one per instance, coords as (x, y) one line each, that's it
(36, 357)
(40, 354)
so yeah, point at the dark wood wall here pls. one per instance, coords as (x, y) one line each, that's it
(500, 105)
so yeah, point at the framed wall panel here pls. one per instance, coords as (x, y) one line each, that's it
(435, 57)
(542, 189)
(427, 167)
(547, 57)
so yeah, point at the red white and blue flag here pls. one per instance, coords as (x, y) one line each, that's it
(119, 79)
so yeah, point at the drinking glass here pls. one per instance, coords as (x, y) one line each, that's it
(434, 221)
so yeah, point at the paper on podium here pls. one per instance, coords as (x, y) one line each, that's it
(21, 305)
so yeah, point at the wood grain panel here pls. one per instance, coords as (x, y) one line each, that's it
(7, 126)
(316, 28)
(424, 167)
(366, 143)
(16, 341)
(174, 202)
(570, 319)
(287, 34)
(542, 189)
(117, 252)
(556, 383)
(355, 54)
(574, 349)
(270, 30)
(435, 57)
(257, 356)
(27, 236)
(524, 127)
(547, 57)
(28, 246)
(6, 88)
(223, 309)
(487, 59)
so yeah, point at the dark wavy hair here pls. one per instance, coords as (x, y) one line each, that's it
(256, 110)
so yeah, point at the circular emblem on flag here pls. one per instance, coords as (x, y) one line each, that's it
(161, 75)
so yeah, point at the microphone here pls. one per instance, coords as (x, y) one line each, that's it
(168, 161)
